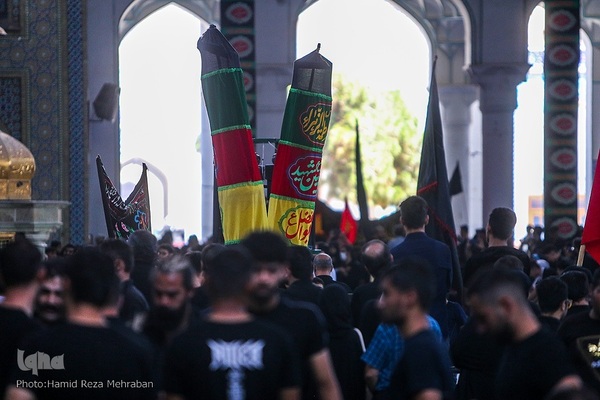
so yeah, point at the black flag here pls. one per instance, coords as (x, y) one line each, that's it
(455, 184)
(361, 194)
(432, 184)
(124, 217)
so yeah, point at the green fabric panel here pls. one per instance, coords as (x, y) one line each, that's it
(306, 119)
(225, 98)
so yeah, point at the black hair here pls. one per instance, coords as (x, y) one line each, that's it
(20, 261)
(551, 293)
(228, 273)
(210, 251)
(300, 261)
(118, 250)
(502, 221)
(488, 284)
(92, 276)
(144, 245)
(577, 284)
(414, 273)
(414, 212)
(266, 246)
(195, 259)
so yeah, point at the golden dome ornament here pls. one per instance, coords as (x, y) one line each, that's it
(17, 167)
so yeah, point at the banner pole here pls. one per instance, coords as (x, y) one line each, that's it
(580, 255)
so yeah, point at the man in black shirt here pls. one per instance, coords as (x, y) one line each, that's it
(229, 352)
(499, 232)
(534, 362)
(21, 271)
(133, 303)
(301, 287)
(408, 290)
(581, 334)
(84, 358)
(303, 322)
(553, 301)
(376, 257)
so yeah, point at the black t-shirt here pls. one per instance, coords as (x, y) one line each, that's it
(305, 323)
(576, 332)
(485, 259)
(424, 365)
(97, 363)
(14, 326)
(134, 302)
(250, 360)
(529, 369)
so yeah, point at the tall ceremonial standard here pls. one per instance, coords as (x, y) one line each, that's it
(299, 152)
(240, 185)
(124, 217)
(432, 183)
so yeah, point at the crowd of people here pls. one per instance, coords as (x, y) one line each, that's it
(262, 319)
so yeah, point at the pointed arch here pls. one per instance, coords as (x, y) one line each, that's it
(207, 10)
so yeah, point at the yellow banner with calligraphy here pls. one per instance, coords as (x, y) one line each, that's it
(292, 218)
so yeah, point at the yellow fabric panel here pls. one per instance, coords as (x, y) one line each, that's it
(242, 210)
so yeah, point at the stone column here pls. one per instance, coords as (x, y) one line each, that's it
(561, 100)
(208, 175)
(456, 102)
(498, 100)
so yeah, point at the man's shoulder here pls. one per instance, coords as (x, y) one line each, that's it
(576, 325)
(17, 322)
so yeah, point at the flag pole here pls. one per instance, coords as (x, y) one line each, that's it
(580, 255)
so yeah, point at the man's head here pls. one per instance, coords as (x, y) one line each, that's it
(495, 298)
(164, 251)
(91, 278)
(121, 254)
(49, 303)
(552, 295)
(144, 245)
(20, 263)
(407, 287)
(501, 223)
(172, 283)
(269, 252)
(578, 286)
(322, 264)
(376, 257)
(300, 261)
(228, 274)
(413, 213)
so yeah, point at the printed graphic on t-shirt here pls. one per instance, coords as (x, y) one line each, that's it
(589, 349)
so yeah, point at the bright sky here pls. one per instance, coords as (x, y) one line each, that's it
(375, 43)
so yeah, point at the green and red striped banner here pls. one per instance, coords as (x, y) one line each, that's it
(297, 166)
(240, 186)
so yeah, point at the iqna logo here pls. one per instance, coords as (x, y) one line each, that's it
(39, 361)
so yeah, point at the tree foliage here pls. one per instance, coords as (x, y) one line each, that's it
(390, 145)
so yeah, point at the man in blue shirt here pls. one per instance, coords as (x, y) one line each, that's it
(382, 355)
(414, 217)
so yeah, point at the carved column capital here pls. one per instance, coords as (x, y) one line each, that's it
(498, 82)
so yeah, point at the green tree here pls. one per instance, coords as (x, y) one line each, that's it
(390, 145)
